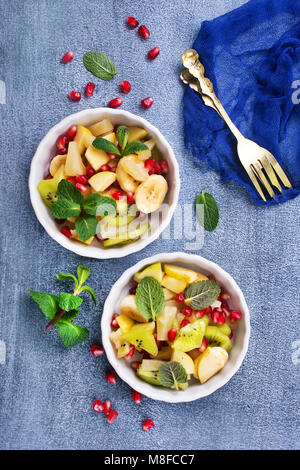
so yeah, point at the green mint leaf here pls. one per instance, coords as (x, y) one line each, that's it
(67, 190)
(99, 205)
(69, 302)
(67, 277)
(71, 334)
(83, 273)
(64, 208)
(134, 147)
(90, 291)
(48, 303)
(122, 136)
(209, 217)
(99, 65)
(150, 300)
(105, 145)
(69, 316)
(172, 374)
(86, 226)
(201, 294)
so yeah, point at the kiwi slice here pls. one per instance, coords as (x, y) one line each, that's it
(225, 329)
(123, 349)
(190, 336)
(151, 377)
(216, 338)
(141, 338)
(48, 190)
(131, 235)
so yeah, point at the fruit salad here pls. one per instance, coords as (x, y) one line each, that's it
(104, 182)
(175, 325)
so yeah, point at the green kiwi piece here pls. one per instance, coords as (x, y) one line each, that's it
(117, 221)
(216, 338)
(151, 377)
(140, 337)
(190, 336)
(131, 235)
(225, 329)
(48, 191)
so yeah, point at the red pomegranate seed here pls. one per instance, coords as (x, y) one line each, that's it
(230, 336)
(147, 102)
(104, 168)
(125, 86)
(100, 240)
(72, 180)
(164, 167)
(148, 424)
(61, 142)
(98, 406)
(115, 103)
(89, 89)
(113, 414)
(113, 169)
(130, 197)
(82, 187)
(211, 277)
(172, 333)
(187, 311)
(90, 171)
(107, 407)
(75, 95)
(114, 322)
(132, 291)
(144, 32)
(207, 310)
(235, 315)
(48, 177)
(71, 133)
(136, 396)
(203, 346)
(184, 322)
(222, 318)
(67, 57)
(132, 22)
(62, 151)
(180, 297)
(199, 313)
(66, 231)
(112, 156)
(117, 194)
(131, 352)
(149, 163)
(157, 169)
(135, 365)
(153, 53)
(111, 378)
(97, 351)
(225, 309)
(224, 297)
(82, 179)
(216, 316)
(158, 341)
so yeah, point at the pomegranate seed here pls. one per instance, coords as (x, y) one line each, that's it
(90, 171)
(72, 180)
(62, 151)
(113, 414)
(187, 311)
(148, 424)
(98, 406)
(131, 352)
(71, 133)
(180, 297)
(157, 169)
(112, 156)
(144, 32)
(82, 187)
(203, 346)
(153, 53)
(132, 291)
(115, 103)
(66, 231)
(234, 316)
(226, 310)
(111, 378)
(67, 57)
(172, 333)
(184, 322)
(97, 351)
(215, 316)
(61, 142)
(199, 313)
(207, 310)
(113, 169)
(230, 336)
(75, 95)
(82, 179)
(158, 341)
(222, 318)
(104, 168)
(48, 177)
(149, 163)
(132, 22)
(89, 89)
(117, 194)
(100, 240)
(147, 102)
(164, 167)
(107, 407)
(130, 197)
(136, 396)
(211, 277)
(135, 365)
(125, 86)
(114, 323)
(224, 297)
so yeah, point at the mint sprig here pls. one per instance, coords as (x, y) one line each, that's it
(126, 148)
(150, 299)
(209, 216)
(201, 294)
(172, 375)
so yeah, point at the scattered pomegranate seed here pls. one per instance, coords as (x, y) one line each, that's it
(187, 311)
(107, 407)
(164, 167)
(82, 179)
(153, 53)
(61, 142)
(115, 103)
(149, 163)
(144, 32)
(235, 315)
(130, 197)
(147, 102)
(135, 365)
(172, 333)
(67, 57)
(199, 313)
(66, 231)
(184, 322)
(136, 396)
(125, 86)
(89, 89)
(97, 351)
(72, 180)
(104, 168)
(111, 378)
(230, 336)
(114, 323)
(208, 310)
(203, 346)
(90, 171)
(131, 352)
(75, 95)
(180, 297)
(148, 424)
(98, 406)
(82, 187)
(113, 414)
(117, 194)
(132, 22)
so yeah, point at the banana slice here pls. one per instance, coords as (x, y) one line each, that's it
(134, 167)
(126, 181)
(150, 195)
(56, 163)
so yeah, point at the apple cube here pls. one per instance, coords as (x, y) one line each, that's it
(101, 181)
(74, 164)
(145, 154)
(175, 285)
(210, 362)
(60, 173)
(83, 138)
(124, 322)
(134, 167)
(165, 322)
(185, 360)
(136, 133)
(101, 127)
(188, 275)
(151, 364)
(111, 136)
(96, 157)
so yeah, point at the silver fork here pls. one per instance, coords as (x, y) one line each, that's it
(255, 159)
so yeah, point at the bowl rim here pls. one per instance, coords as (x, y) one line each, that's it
(138, 385)
(91, 251)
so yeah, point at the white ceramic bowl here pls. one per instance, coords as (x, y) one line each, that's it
(40, 163)
(195, 389)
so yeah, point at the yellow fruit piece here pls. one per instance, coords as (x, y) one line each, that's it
(210, 363)
(142, 338)
(111, 136)
(150, 194)
(102, 127)
(83, 137)
(145, 154)
(96, 157)
(128, 307)
(60, 173)
(124, 322)
(184, 359)
(154, 270)
(151, 364)
(123, 349)
(165, 322)
(164, 354)
(134, 167)
(75, 237)
(101, 181)
(56, 163)
(74, 164)
(178, 272)
(116, 338)
(136, 133)
(127, 183)
(174, 285)
(169, 295)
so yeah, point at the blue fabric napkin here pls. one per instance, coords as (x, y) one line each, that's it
(252, 56)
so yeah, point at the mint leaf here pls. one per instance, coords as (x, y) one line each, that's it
(69, 316)
(83, 273)
(99, 205)
(209, 217)
(172, 374)
(150, 299)
(99, 65)
(86, 226)
(71, 334)
(201, 294)
(48, 303)
(67, 277)
(122, 136)
(67, 190)
(134, 147)
(105, 145)
(69, 302)
(90, 291)
(64, 208)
